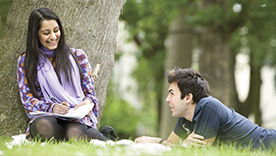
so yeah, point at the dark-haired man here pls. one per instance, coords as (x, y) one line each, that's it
(203, 119)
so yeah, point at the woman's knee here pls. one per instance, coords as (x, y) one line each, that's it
(76, 131)
(45, 127)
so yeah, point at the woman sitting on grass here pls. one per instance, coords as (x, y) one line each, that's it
(50, 68)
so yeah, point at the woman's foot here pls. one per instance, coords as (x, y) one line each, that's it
(109, 132)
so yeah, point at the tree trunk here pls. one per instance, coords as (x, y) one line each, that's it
(254, 93)
(90, 25)
(4, 9)
(215, 61)
(252, 102)
(179, 54)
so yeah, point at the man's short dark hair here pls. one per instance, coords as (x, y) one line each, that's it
(189, 81)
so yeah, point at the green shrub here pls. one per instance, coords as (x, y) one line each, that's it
(120, 115)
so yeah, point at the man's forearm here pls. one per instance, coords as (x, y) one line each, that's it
(167, 143)
(146, 139)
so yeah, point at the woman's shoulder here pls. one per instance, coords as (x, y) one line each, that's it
(78, 52)
(21, 58)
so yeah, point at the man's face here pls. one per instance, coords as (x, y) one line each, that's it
(178, 105)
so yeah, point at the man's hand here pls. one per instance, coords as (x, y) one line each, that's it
(146, 139)
(193, 140)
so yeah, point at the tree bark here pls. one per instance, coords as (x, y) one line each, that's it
(255, 89)
(252, 103)
(179, 54)
(215, 61)
(90, 25)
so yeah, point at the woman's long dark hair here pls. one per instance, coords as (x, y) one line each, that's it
(33, 52)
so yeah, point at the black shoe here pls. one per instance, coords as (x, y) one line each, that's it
(109, 132)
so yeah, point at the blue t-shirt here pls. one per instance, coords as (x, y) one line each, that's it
(213, 119)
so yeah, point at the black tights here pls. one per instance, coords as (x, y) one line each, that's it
(47, 127)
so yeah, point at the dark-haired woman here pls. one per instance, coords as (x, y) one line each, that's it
(50, 68)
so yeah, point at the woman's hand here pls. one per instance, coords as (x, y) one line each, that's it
(194, 140)
(85, 102)
(89, 113)
(61, 108)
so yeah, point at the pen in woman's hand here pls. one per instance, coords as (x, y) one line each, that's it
(55, 99)
(60, 109)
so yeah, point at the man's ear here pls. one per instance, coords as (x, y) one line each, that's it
(189, 98)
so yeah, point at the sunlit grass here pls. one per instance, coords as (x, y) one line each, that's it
(83, 148)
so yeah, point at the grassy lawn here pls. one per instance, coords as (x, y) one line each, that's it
(80, 148)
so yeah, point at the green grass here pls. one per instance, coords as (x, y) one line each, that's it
(82, 148)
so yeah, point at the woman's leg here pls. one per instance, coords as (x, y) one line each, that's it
(81, 131)
(93, 133)
(47, 127)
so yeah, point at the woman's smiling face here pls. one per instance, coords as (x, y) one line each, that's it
(49, 34)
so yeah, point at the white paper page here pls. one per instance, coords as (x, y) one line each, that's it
(79, 113)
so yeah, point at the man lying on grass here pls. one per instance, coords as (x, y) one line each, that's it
(203, 119)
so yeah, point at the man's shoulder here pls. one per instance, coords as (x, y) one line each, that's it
(212, 105)
(209, 102)
(209, 99)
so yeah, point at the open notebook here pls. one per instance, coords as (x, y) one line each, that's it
(79, 113)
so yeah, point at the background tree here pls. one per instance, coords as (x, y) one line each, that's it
(179, 53)
(148, 23)
(216, 25)
(4, 9)
(91, 25)
(217, 22)
(257, 39)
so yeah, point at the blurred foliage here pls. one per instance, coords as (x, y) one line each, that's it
(5, 6)
(119, 114)
(261, 34)
(256, 38)
(257, 35)
(148, 23)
